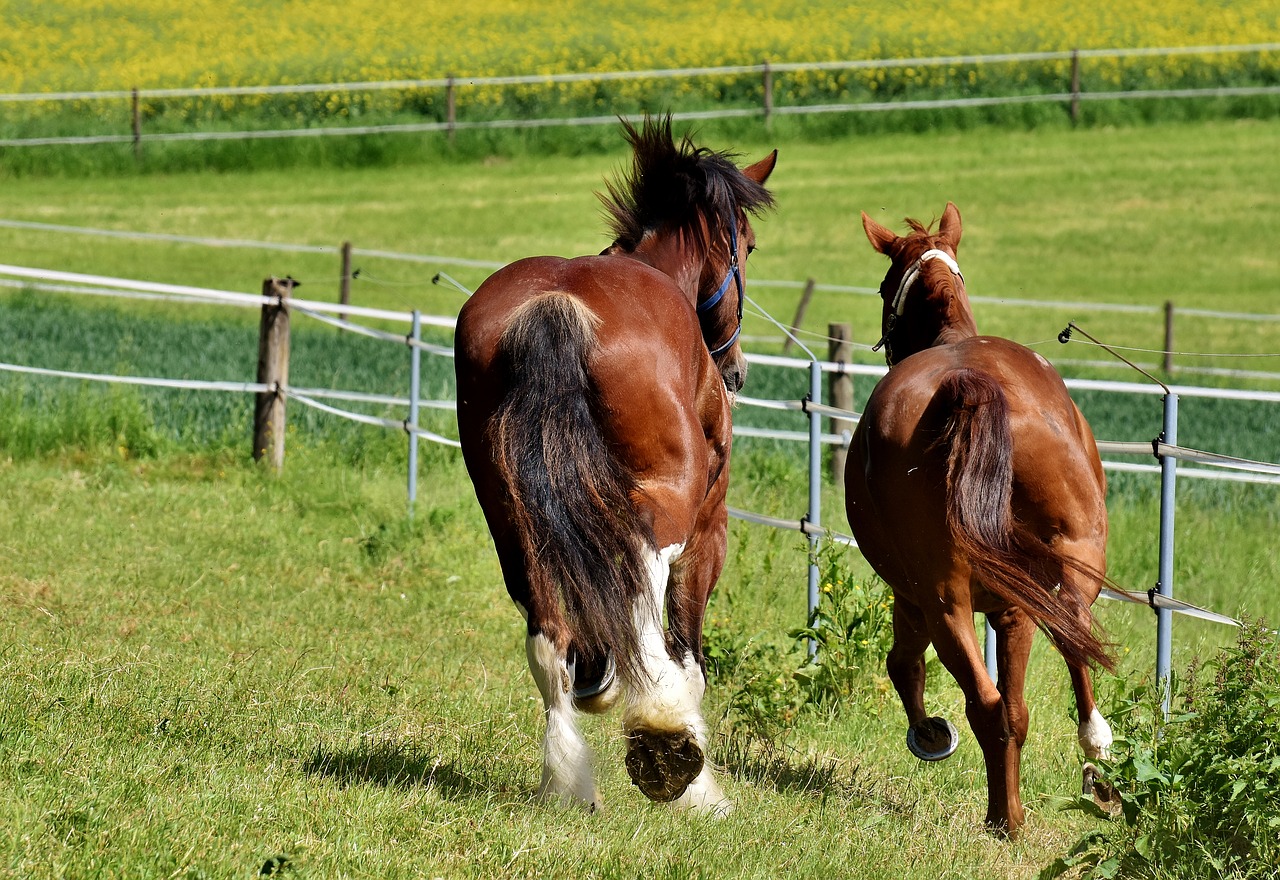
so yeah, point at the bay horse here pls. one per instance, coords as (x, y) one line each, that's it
(594, 400)
(974, 485)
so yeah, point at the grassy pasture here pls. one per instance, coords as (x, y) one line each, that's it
(203, 668)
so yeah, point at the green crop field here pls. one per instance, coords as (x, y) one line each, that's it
(211, 671)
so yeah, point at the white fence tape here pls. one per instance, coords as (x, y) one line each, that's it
(1252, 470)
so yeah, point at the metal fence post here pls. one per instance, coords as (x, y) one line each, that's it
(1164, 586)
(415, 367)
(814, 517)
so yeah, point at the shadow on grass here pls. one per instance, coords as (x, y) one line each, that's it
(762, 761)
(393, 764)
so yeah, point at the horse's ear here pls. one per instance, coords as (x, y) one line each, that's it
(881, 238)
(760, 171)
(949, 228)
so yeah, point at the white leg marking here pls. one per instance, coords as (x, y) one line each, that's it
(1095, 736)
(668, 694)
(566, 758)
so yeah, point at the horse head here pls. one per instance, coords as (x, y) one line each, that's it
(925, 302)
(722, 287)
(685, 210)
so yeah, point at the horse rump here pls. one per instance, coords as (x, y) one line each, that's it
(584, 541)
(1007, 557)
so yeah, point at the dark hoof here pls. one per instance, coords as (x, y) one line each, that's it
(1104, 793)
(933, 739)
(663, 763)
(591, 677)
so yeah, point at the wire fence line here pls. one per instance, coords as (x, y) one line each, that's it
(490, 265)
(605, 76)
(811, 407)
(110, 286)
(765, 70)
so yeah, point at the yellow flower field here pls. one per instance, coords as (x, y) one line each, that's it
(46, 45)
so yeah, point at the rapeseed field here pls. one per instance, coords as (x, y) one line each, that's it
(58, 45)
(112, 45)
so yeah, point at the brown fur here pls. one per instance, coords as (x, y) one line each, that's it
(974, 485)
(596, 426)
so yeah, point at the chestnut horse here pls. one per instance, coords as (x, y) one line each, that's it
(974, 485)
(594, 402)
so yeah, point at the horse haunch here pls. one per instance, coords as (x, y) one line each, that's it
(565, 481)
(1017, 565)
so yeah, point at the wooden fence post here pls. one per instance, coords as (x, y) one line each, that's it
(344, 288)
(137, 128)
(1075, 86)
(451, 110)
(1168, 336)
(273, 370)
(840, 392)
(801, 308)
(767, 77)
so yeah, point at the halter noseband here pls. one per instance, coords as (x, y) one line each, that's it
(733, 275)
(909, 278)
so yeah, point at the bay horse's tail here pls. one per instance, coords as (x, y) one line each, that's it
(584, 541)
(1011, 562)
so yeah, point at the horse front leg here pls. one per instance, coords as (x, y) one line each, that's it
(690, 590)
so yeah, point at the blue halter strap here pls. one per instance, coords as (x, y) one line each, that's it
(734, 275)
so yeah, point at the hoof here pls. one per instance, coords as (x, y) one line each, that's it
(1104, 793)
(663, 763)
(590, 677)
(933, 739)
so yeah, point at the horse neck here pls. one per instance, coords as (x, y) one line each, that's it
(675, 254)
(943, 317)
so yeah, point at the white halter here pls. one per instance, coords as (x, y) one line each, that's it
(913, 272)
(909, 278)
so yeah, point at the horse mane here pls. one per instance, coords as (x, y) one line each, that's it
(918, 231)
(673, 183)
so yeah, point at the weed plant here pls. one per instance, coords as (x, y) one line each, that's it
(825, 669)
(1199, 792)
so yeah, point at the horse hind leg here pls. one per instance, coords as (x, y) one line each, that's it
(1093, 733)
(665, 733)
(594, 680)
(567, 773)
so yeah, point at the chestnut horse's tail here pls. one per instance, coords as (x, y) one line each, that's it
(1010, 561)
(570, 494)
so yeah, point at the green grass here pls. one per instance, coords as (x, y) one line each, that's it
(1131, 215)
(203, 667)
(207, 667)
